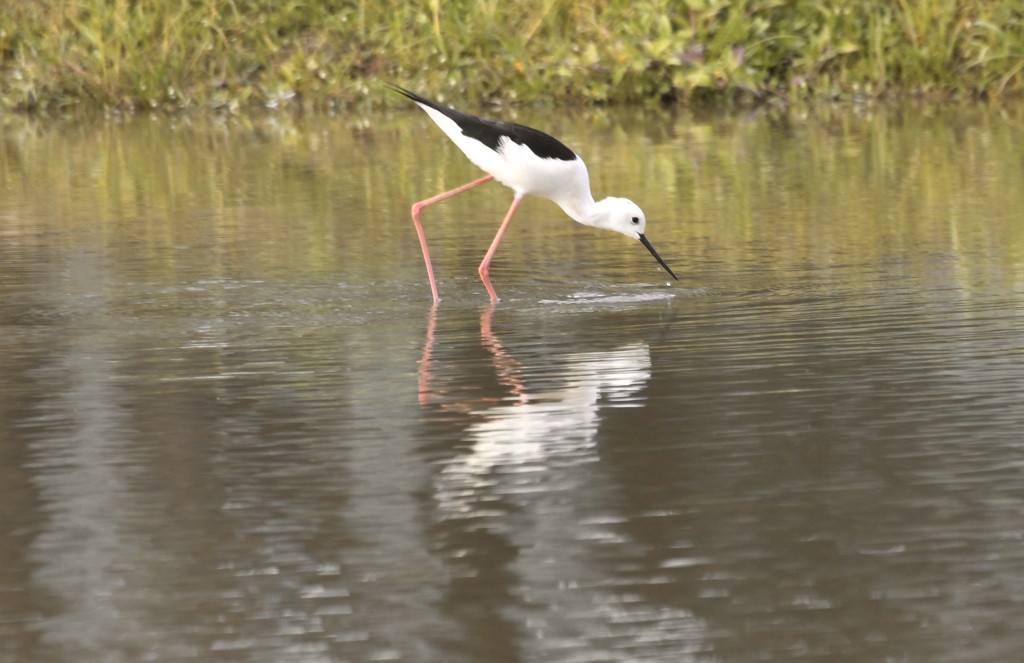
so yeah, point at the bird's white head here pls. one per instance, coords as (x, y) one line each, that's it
(621, 215)
(624, 216)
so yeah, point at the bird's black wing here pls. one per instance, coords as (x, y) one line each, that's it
(490, 132)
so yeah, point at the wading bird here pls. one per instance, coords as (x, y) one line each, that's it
(527, 161)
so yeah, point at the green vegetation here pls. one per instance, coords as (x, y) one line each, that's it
(322, 54)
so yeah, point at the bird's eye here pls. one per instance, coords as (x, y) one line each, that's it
(635, 220)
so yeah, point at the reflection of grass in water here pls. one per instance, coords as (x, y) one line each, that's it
(287, 196)
(227, 55)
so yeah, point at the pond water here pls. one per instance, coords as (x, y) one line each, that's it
(233, 427)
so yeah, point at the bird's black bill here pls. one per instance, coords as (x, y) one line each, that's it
(643, 239)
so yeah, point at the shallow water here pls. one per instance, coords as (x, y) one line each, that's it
(233, 428)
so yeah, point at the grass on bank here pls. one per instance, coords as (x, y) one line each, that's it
(321, 54)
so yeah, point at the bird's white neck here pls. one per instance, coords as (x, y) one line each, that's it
(585, 210)
(582, 208)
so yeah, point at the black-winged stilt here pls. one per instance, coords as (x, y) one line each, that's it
(527, 161)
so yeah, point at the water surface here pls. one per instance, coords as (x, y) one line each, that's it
(232, 427)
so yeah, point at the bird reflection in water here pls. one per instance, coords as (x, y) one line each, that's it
(528, 429)
(525, 513)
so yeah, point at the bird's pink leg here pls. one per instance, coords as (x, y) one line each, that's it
(417, 207)
(485, 266)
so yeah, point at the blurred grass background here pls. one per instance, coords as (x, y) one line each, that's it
(232, 55)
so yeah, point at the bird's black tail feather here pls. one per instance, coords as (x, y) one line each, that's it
(411, 95)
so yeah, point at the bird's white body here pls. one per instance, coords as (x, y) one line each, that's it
(565, 182)
(517, 167)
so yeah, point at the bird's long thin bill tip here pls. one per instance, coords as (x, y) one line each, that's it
(647, 243)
